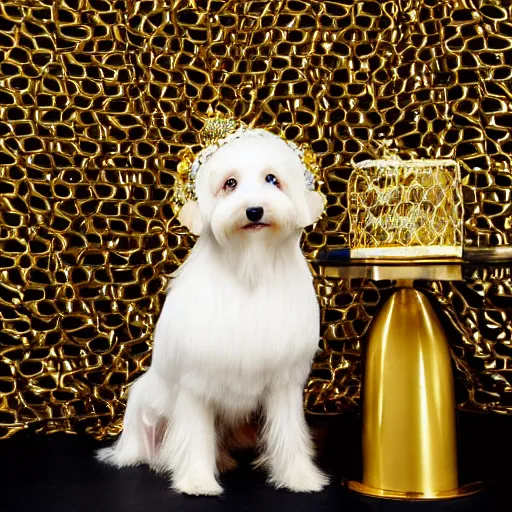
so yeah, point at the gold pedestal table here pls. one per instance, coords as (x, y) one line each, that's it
(408, 403)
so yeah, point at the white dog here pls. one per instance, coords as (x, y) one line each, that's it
(239, 327)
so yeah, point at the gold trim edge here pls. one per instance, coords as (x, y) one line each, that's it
(459, 492)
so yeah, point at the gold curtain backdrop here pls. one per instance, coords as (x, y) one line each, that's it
(97, 98)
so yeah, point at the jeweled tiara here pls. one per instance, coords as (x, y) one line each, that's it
(217, 131)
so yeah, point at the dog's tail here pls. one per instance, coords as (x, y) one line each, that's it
(143, 428)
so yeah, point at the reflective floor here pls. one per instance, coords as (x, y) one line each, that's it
(58, 473)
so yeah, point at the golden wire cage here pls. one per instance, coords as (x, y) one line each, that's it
(405, 209)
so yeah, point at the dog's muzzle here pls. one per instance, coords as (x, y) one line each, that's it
(255, 214)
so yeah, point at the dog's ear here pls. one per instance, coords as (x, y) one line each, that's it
(314, 208)
(190, 217)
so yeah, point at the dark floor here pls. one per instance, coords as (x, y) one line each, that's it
(58, 473)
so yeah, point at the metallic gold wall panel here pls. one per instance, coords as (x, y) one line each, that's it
(96, 99)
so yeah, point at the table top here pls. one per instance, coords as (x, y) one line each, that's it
(338, 263)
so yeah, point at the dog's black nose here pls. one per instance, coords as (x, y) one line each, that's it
(254, 214)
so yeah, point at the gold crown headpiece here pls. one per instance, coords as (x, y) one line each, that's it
(217, 131)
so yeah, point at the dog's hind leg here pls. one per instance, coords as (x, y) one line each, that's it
(189, 447)
(141, 427)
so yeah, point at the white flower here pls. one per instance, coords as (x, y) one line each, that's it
(195, 167)
(310, 180)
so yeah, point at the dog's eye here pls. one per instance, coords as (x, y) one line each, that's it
(270, 178)
(230, 184)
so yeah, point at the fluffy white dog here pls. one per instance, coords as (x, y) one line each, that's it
(238, 330)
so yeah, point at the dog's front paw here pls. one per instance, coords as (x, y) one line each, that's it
(303, 477)
(195, 485)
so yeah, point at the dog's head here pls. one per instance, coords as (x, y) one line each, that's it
(252, 187)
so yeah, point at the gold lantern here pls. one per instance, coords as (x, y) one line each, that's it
(405, 209)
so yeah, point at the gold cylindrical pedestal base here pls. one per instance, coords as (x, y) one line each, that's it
(460, 492)
(409, 424)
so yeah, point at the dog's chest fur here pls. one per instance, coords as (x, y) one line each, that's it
(227, 338)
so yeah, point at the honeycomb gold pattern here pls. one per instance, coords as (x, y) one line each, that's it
(98, 97)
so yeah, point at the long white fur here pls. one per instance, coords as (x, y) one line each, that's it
(238, 330)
